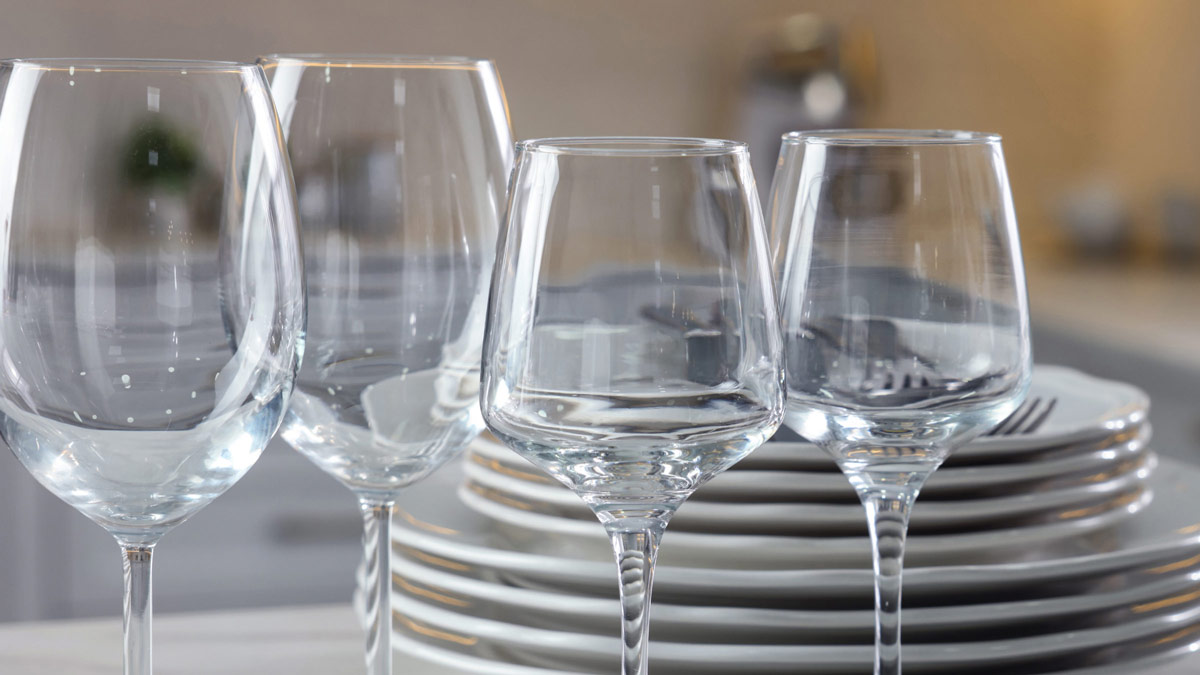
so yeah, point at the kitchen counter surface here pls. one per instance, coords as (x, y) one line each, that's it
(306, 640)
(1154, 312)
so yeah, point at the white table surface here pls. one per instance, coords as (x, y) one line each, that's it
(310, 640)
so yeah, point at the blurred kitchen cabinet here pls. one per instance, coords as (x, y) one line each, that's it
(285, 534)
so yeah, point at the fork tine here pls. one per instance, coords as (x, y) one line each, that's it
(1005, 424)
(996, 429)
(1038, 421)
(1021, 419)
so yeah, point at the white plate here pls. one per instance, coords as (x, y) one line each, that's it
(422, 658)
(561, 649)
(812, 486)
(691, 623)
(1090, 414)
(555, 535)
(806, 518)
(437, 526)
(432, 659)
(1088, 409)
(781, 455)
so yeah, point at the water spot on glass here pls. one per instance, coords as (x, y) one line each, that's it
(168, 411)
(95, 416)
(193, 394)
(561, 407)
(183, 72)
(72, 83)
(369, 350)
(82, 373)
(129, 420)
(412, 318)
(331, 391)
(71, 71)
(125, 380)
(77, 417)
(97, 70)
(339, 387)
(327, 72)
(170, 369)
(542, 413)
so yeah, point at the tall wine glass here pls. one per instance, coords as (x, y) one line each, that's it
(904, 315)
(632, 347)
(401, 165)
(151, 291)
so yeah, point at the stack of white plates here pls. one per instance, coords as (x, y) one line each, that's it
(1057, 550)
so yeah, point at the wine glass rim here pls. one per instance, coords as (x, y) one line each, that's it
(627, 146)
(891, 137)
(371, 60)
(125, 65)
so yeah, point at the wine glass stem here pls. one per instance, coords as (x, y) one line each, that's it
(636, 548)
(887, 517)
(377, 546)
(138, 609)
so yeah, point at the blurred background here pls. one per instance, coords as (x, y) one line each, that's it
(1097, 100)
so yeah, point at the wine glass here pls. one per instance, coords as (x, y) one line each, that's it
(151, 288)
(401, 166)
(632, 346)
(905, 322)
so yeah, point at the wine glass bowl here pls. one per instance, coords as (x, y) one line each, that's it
(401, 165)
(632, 348)
(904, 314)
(152, 290)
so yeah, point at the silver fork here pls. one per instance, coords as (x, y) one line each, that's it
(1026, 419)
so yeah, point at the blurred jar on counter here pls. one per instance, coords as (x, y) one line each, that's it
(807, 74)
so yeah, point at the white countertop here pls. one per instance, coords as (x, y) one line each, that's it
(313, 640)
(309, 640)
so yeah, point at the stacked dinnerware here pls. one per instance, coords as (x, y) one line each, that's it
(1060, 544)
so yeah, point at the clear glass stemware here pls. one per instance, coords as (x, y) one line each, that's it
(151, 290)
(401, 167)
(903, 306)
(632, 346)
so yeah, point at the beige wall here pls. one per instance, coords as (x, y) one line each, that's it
(1076, 86)
(1149, 113)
